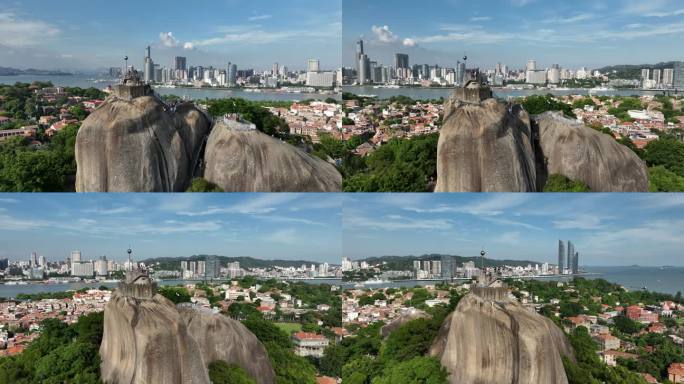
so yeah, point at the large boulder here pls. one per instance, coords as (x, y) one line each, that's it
(238, 159)
(499, 341)
(222, 338)
(584, 154)
(138, 145)
(485, 147)
(146, 341)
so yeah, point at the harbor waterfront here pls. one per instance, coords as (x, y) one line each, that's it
(9, 291)
(189, 93)
(421, 93)
(655, 279)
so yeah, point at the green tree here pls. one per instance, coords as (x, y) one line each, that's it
(201, 185)
(175, 294)
(668, 152)
(560, 183)
(663, 180)
(419, 370)
(221, 372)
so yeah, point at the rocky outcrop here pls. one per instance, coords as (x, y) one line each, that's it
(403, 318)
(146, 341)
(492, 146)
(138, 145)
(222, 338)
(247, 160)
(584, 154)
(150, 340)
(485, 147)
(487, 341)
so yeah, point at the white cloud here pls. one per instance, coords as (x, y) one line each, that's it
(384, 35)
(16, 32)
(167, 39)
(409, 42)
(394, 223)
(480, 18)
(676, 12)
(569, 20)
(283, 236)
(189, 46)
(584, 221)
(111, 211)
(260, 17)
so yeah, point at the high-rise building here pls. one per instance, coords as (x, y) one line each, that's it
(102, 266)
(668, 76)
(554, 74)
(645, 74)
(274, 70)
(231, 74)
(357, 59)
(448, 267)
(83, 269)
(42, 262)
(426, 265)
(33, 261)
(416, 265)
(531, 65)
(364, 69)
(460, 72)
(401, 60)
(561, 257)
(180, 63)
(212, 268)
(575, 263)
(320, 79)
(148, 76)
(4, 263)
(313, 65)
(656, 76)
(75, 258)
(678, 75)
(571, 254)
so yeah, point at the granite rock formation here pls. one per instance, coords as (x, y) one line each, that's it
(147, 339)
(485, 147)
(138, 145)
(493, 339)
(492, 146)
(239, 159)
(222, 338)
(584, 154)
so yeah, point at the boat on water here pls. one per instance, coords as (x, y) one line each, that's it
(375, 281)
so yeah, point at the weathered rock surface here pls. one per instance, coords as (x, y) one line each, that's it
(146, 341)
(491, 146)
(584, 154)
(150, 340)
(138, 146)
(251, 161)
(485, 147)
(487, 341)
(402, 319)
(222, 338)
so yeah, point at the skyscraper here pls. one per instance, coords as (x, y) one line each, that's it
(401, 60)
(231, 74)
(668, 76)
(571, 254)
(678, 75)
(561, 257)
(149, 67)
(447, 266)
(575, 263)
(274, 71)
(364, 69)
(313, 65)
(212, 268)
(181, 63)
(357, 59)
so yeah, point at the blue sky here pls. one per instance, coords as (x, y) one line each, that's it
(607, 229)
(267, 226)
(590, 33)
(87, 34)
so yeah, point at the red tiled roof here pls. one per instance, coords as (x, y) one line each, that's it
(307, 335)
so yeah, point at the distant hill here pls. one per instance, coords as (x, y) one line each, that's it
(5, 71)
(405, 263)
(173, 263)
(633, 72)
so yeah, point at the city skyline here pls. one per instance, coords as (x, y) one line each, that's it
(265, 226)
(83, 35)
(607, 230)
(592, 34)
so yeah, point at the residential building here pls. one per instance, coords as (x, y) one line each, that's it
(309, 344)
